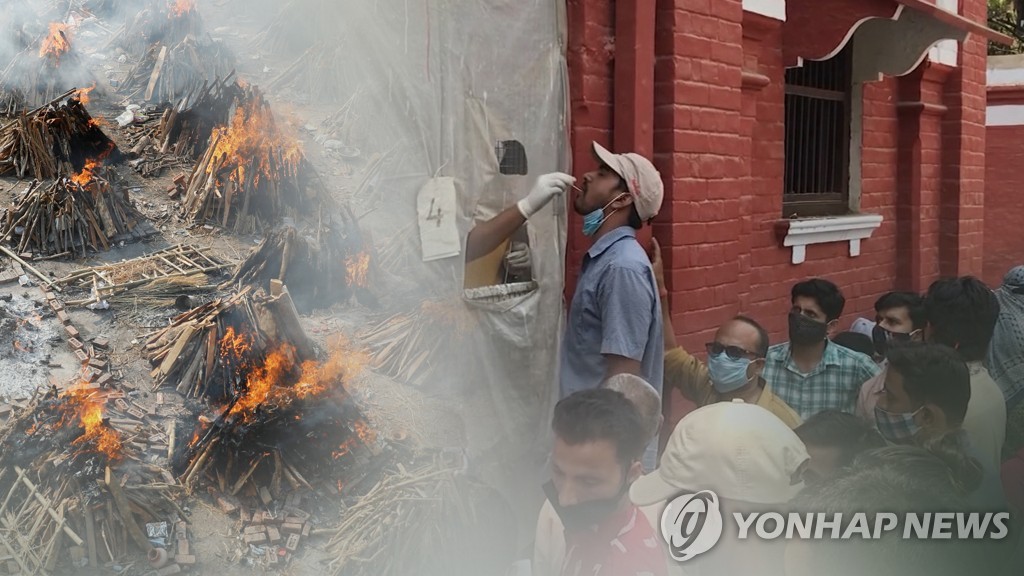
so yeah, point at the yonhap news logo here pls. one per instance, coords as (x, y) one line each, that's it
(693, 523)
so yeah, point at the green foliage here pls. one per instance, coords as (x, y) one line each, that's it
(1005, 16)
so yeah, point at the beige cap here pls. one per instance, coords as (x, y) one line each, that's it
(739, 451)
(642, 179)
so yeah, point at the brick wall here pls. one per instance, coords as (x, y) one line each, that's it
(718, 141)
(1004, 201)
(590, 56)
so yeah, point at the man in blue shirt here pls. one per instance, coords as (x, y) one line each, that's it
(614, 324)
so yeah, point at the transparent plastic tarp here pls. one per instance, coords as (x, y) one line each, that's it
(470, 96)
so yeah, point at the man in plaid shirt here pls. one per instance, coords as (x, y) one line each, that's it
(809, 372)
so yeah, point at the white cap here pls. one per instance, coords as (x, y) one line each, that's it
(642, 179)
(863, 326)
(739, 451)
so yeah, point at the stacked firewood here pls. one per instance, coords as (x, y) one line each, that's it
(46, 68)
(70, 216)
(183, 129)
(159, 21)
(169, 71)
(69, 497)
(319, 271)
(187, 353)
(53, 140)
(252, 174)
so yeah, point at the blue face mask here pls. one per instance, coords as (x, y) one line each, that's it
(593, 221)
(728, 374)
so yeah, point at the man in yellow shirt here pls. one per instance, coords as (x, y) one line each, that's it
(735, 362)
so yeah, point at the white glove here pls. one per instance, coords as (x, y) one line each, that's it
(518, 258)
(547, 187)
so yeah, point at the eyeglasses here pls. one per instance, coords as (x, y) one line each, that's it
(734, 352)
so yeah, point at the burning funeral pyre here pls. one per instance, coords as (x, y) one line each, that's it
(278, 414)
(319, 272)
(72, 474)
(176, 55)
(252, 174)
(47, 68)
(70, 216)
(182, 131)
(54, 140)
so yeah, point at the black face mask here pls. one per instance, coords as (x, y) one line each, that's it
(804, 331)
(585, 514)
(884, 338)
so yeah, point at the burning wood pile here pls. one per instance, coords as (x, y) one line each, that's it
(252, 174)
(43, 71)
(73, 474)
(178, 57)
(183, 130)
(70, 216)
(319, 272)
(54, 140)
(160, 21)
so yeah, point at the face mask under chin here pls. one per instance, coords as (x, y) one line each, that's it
(592, 222)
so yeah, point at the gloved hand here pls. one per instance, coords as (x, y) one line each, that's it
(518, 258)
(547, 187)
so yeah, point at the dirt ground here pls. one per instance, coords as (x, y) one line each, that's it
(425, 418)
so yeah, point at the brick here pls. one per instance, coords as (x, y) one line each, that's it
(306, 528)
(273, 534)
(104, 379)
(63, 317)
(98, 363)
(71, 331)
(271, 557)
(75, 343)
(186, 559)
(50, 296)
(291, 527)
(82, 356)
(254, 529)
(255, 538)
(293, 542)
(101, 343)
(57, 305)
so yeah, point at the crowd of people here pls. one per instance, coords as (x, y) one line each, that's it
(906, 412)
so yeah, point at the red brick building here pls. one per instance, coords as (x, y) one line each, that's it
(864, 118)
(1004, 179)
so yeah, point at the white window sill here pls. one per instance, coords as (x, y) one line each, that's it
(800, 233)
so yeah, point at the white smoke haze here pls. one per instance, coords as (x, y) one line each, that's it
(386, 96)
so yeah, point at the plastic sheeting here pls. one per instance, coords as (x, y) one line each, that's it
(440, 84)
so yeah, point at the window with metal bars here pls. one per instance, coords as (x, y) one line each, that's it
(818, 96)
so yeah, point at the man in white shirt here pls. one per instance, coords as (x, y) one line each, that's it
(962, 314)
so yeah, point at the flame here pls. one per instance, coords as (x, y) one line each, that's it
(87, 174)
(86, 405)
(253, 139)
(83, 96)
(57, 42)
(179, 8)
(357, 270)
(267, 384)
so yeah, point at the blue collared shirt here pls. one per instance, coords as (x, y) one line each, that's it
(615, 310)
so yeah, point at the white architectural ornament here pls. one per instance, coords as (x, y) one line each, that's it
(771, 8)
(806, 231)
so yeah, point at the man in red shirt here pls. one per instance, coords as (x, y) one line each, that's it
(599, 441)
